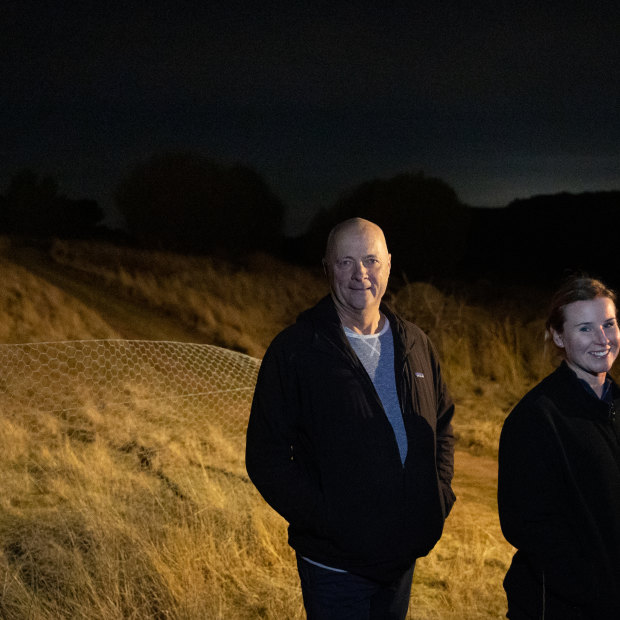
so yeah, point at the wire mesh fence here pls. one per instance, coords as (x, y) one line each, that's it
(124, 390)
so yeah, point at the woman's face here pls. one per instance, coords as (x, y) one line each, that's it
(590, 337)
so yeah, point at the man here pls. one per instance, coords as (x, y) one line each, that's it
(349, 438)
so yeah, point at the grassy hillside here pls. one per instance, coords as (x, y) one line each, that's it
(140, 508)
(32, 309)
(491, 353)
(235, 306)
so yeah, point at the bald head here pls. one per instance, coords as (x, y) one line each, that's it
(355, 225)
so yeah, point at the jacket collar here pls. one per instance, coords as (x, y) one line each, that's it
(579, 393)
(326, 324)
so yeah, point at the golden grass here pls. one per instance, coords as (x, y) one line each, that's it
(141, 520)
(235, 306)
(490, 358)
(136, 520)
(32, 310)
(136, 512)
(462, 577)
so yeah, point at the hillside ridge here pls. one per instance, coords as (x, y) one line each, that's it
(131, 319)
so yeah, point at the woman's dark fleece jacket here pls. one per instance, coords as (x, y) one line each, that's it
(559, 502)
(322, 452)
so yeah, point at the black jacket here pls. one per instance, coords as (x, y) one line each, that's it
(559, 501)
(322, 452)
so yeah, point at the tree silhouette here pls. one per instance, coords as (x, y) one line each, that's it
(185, 201)
(542, 238)
(32, 206)
(424, 222)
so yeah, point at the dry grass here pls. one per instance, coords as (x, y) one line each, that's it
(32, 309)
(490, 358)
(90, 529)
(462, 577)
(133, 513)
(235, 306)
(135, 520)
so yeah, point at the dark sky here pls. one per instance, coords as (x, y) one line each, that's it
(502, 100)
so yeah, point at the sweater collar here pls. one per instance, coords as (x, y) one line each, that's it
(325, 320)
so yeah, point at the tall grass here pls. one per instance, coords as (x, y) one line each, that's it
(490, 357)
(236, 306)
(145, 520)
(145, 516)
(135, 520)
(32, 309)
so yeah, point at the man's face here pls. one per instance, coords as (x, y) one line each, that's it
(358, 267)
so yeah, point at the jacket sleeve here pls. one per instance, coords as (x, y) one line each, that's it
(532, 499)
(444, 435)
(271, 437)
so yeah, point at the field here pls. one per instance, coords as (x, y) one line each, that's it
(125, 494)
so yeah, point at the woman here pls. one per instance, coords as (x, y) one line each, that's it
(559, 469)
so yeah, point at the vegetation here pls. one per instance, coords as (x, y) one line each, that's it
(34, 207)
(521, 241)
(426, 224)
(145, 517)
(185, 201)
(31, 309)
(490, 353)
(236, 306)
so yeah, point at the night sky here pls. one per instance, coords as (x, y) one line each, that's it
(502, 100)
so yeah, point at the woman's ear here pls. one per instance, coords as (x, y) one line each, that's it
(557, 338)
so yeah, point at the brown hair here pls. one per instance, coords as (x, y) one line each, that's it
(575, 288)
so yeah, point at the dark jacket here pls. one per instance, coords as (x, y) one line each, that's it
(559, 502)
(322, 452)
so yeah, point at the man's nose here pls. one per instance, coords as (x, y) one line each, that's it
(360, 270)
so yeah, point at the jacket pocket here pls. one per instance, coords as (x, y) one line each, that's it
(447, 498)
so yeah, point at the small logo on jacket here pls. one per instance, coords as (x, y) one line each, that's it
(419, 375)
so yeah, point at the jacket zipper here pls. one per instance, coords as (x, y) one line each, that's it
(611, 416)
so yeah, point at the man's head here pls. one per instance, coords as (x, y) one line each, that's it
(357, 264)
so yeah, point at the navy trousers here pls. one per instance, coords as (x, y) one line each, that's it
(330, 595)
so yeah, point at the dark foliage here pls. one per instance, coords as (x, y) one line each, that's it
(425, 224)
(32, 207)
(432, 235)
(544, 238)
(187, 202)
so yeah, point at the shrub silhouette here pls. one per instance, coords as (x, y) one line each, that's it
(32, 206)
(424, 222)
(545, 237)
(187, 202)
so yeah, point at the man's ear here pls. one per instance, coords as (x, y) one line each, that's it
(557, 338)
(324, 263)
